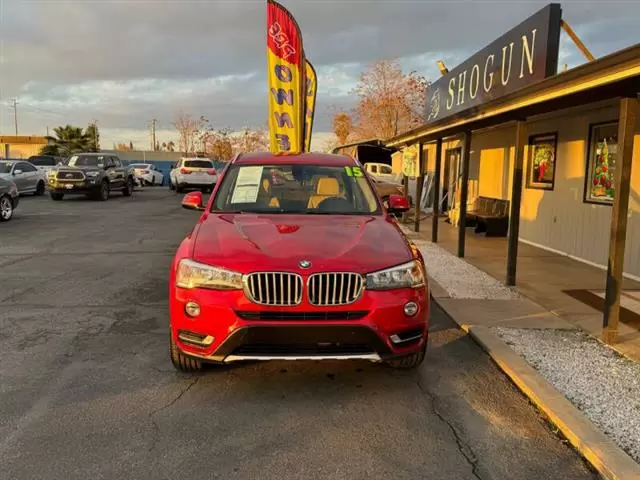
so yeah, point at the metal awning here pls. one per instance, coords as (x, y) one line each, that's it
(609, 77)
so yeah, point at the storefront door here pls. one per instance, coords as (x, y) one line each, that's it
(450, 179)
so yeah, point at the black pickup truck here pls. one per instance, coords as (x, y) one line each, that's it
(92, 174)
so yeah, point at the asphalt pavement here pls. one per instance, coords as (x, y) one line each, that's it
(87, 389)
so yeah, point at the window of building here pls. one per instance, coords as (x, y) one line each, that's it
(601, 163)
(541, 171)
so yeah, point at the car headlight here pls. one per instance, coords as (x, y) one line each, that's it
(92, 174)
(407, 275)
(192, 274)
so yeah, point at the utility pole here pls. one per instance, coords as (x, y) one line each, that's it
(95, 134)
(153, 134)
(15, 113)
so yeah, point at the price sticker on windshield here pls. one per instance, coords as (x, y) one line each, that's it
(354, 171)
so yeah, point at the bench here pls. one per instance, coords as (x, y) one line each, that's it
(489, 216)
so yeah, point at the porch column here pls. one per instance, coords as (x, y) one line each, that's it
(419, 184)
(436, 192)
(516, 197)
(622, 182)
(464, 192)
(405, 188)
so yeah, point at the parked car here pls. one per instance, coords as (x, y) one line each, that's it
(381, 171)
(91, 174)
(195, 173)
(296, 272)
(147, 174)
(45, 162)
(386, 189)
(9, 199)
(27, 177)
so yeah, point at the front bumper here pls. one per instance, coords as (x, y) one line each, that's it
(231, 328)
(75, 187)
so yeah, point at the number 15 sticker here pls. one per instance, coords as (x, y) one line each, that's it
(354, 171)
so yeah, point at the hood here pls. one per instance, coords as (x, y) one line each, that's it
(246, 243)
(84, 168)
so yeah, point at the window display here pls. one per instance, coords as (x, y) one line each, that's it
(542, 161)
(601, 164)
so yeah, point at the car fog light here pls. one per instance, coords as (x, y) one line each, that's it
(410, 309)
(192, 309)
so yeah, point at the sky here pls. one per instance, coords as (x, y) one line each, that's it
(124, 62)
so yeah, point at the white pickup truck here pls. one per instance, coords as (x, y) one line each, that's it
(382, 172)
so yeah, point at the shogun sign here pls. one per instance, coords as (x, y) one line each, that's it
(525, 55)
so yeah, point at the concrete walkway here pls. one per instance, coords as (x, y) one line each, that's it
(542, 279)
(540, 337)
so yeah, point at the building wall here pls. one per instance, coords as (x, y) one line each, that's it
(560, 219)
(20, 150)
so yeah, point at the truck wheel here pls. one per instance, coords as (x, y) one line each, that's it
(182, 362)
(410, 361)
(103, 193)
(56, 196)
(40, 188)
(128, 188)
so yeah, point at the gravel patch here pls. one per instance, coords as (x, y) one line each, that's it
(459, 278)
(598, 381)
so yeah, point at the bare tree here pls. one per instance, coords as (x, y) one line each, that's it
(189, 131)
(252, 141)
(218, 144)
(390, 102)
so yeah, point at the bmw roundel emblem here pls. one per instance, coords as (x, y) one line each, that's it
(304, 263)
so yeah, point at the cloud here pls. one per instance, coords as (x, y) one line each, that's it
(126, 62)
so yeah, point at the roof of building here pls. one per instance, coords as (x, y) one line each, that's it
(612, 76)
(23, 139)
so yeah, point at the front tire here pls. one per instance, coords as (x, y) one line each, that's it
(128, 188)
(103, 193)
(40, 188)
(411, 361)
(56, 196)
(6, 208)
(180, 361)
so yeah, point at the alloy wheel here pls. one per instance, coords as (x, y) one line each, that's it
(6, 209)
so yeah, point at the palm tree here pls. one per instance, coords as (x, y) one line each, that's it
(67, 141)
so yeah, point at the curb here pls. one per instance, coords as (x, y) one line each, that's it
(602, 453)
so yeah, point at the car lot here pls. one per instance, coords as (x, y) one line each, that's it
(87, 389)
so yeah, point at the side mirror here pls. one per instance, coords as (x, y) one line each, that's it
(193, 201)
(17, 172)
(398, 204)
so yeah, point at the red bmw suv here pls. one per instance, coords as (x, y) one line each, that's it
(312, 268)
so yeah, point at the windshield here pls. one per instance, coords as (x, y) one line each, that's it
(5, 167)
(198, 164)
(309, 189)
(42, 161)
(86, 161)
(142, 166)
